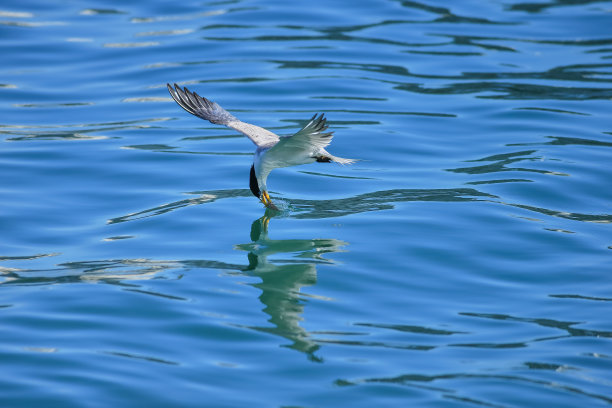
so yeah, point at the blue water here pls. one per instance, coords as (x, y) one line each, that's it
(464, 262)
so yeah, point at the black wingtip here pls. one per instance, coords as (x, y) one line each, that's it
(181, 98)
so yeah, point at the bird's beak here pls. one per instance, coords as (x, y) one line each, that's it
(265, 199)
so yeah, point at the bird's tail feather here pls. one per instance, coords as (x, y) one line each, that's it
(341, 160)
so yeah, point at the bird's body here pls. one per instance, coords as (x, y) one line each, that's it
(272, 151)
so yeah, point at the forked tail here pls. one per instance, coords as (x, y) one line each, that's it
(326, 158)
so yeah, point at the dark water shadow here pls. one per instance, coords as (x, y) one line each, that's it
(444, 384)
(74, 131)
(532, 7)
(504, 162)
(202, 198)
(312, 209)
(563, 326)
(382, 200)
(508, 85)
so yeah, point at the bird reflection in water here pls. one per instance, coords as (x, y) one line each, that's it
(282, 280)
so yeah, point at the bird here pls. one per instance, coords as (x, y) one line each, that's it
(272, 151)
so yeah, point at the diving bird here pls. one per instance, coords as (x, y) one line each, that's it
(272, 151)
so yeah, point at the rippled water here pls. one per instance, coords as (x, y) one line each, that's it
(465, 261)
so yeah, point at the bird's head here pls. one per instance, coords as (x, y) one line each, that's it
(254, 183)
(258, 192)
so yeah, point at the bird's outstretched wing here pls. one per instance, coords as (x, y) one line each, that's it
(310, 140)
(212, 112)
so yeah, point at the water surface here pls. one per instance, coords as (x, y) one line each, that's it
(464, 261)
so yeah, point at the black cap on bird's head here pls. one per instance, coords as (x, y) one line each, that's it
(253, 184)
(262, 195)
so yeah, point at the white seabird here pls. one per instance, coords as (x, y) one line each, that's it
(273, 151)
